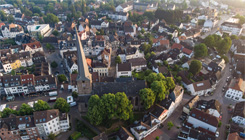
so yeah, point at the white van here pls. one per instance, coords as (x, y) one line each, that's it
(69, 99)
(73, 104)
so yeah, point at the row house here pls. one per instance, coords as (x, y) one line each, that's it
(138, 64)
(200, 119)
(25, 84)
(118, 16)
(12, 85)
(18, 128)
(11, 30)
(15, 61)
(45, 83)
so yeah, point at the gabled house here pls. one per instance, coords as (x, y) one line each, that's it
(212, 107)
(190, 105)
(19, 16)
(118, 16)
(33, 47)
(124, 69)
(138, 64)
(196, 88)
(11, 30)
(203, 120)
(45, 83)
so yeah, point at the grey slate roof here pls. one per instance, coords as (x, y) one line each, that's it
(83, 73)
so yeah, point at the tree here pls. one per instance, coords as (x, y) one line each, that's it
(7, 111)
(25, 109)
(170, 125)
(51, 136)
(74, 94)
(41, 105)
(13, 72)
(54, 64)
(10, 19)
(108, 103)
(124, 107)
(51, 18)
(224, 45)
(234, 37)
(200, 50)
(169, 83)
(62, 105)
(55, 33)
(151, 78)
(118, 60)
(209, 41)
(75, 72)
(36, 9)
(49, 46)
(62, 78)
(142, 31)
(94, 113)
(195, 67)
(3, 16)
(159, 90)
(148, 97)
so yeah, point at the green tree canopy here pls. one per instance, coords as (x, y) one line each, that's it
(62, 78)
(209, 41)
(234, 37)
(170, 83)
(148, 97)
(108, 103)
(195, 67)
(54, 64)
(124, 107)
(94, 111)
(55, 33)
(151, 78)
(200, 50)
(7, 111)
(25, 109)
(41, 105)
(51, 18)
(159, 90)
(62, 105)
(224, 45)
(118, 60)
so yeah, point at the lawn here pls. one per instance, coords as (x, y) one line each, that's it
(75, 135)
(85, 130)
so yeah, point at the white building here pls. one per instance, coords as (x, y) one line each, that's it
(145, 127)
(125, 7)
(138, 64)
(199, 88)
(40, 29)
(124, 69)
(11, 30)
(231, 28)
(236, 90)
(204, 120)
(238, 116)
(51, 122)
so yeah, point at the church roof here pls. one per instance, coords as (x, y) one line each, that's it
(83, 73)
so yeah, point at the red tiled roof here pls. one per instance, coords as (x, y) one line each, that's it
(89, 62)
(176, 46)
(1, 24)
(33, 45)
(164, 42)
(26, 79)
(187, 51)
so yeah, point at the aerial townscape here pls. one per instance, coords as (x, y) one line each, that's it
(122, 69)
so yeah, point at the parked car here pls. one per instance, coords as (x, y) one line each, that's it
(73, 104)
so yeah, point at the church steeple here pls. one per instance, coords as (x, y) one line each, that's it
(84, 82)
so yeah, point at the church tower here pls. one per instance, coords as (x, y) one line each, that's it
(84, 78)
